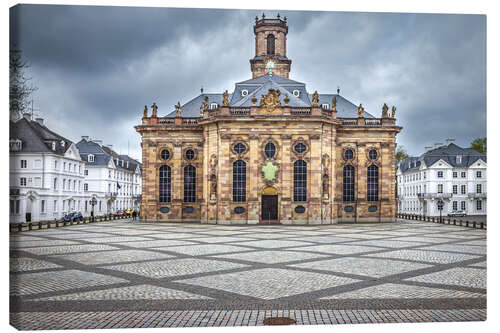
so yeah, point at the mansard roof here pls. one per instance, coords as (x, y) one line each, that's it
(103, 154)
(37, 138)
(260, 86)
(447, 153)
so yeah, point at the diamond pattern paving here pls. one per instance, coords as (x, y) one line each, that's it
(269, 283)
(425, 255)
(118, 256)
(271, 257)
(29, 264)
(459, 276)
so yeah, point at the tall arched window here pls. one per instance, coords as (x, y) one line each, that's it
(299, 181)
(270, 44)
(348, 183)
(239, 181)
(189, 184)
(372, 183)
(165, 184)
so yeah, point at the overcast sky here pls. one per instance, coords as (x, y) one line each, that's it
(96, 67)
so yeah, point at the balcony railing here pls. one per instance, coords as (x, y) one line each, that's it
(240, 111)
(373, 122)
(434, 195)
(300, 111)
(477, 195)
(349, 121)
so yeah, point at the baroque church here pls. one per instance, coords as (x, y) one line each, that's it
(269, 152)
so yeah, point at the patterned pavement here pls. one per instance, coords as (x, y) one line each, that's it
(124, 274)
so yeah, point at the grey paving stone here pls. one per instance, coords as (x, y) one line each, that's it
(272, 244)
(337, 249)
(271, 257)
(206, 249)
(458, 276)
(425, 255)
(117, 256)
(29, 264)
(68, 249)
(156, 243)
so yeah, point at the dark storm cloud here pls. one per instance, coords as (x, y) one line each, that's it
(96, 67)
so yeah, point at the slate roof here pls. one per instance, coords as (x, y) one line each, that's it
(260, 86)
(447, 153)
(103, 154)
(37, 138)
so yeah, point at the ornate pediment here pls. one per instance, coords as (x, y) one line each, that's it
(271, 102)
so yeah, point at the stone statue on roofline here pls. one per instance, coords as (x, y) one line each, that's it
(145, 115)
(315, 99)
(155, 110)
(204, 106)
(225, 98)
(385, 108)
(393, 111)
(178, 110)
(361, 111)
(334, 104)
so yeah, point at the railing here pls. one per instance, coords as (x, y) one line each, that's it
(434, 195)
(349, 121)
(111, 194)
(28, 226)
(444, 220)
(190, 121)
(240, 111)
(477, 195)
(373, 122)
(300, 111)
(165, 120)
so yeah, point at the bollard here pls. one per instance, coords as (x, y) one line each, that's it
(20, 227)
(460, 222)
(40, 226)
(482, 225)
(474, 224)
(30, 226)
(466, 223)
(48, 224)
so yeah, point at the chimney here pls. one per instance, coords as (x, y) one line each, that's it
(27, 115)
(85, 137)
(437, 145)
(99, 142)
(39, 120)
(448, 141)
(428, 148)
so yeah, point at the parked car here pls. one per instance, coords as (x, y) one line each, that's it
(129, 211)
(120, 212)
(73, 216)
(460, 213)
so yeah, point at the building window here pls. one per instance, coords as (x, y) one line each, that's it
(300, 148)
(300, 181)
(270, 150)
(86, 172)
(349, 154)
(189, 184)
(24, 164)
(372, 154)
(424, 174)
(440, 174)
(455, 174)
(189, 154)
(239, 181)
(42, 206)
(440, 188)
(464, 189)
(478, 174)
(455, 205)
(372, 183)
(348, 183)
(459, 159)
(91, 158)
(479, 205)
(85, 187)
(462, 204)
(270, 44)
(22, 181)
(455, 189)
(463, 174)
(55, 205)
(479, 188)
(213, 106)
(325, 106)
(55, 183)
(239, 148)
(244, 92)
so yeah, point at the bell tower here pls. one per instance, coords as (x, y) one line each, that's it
(270, 45)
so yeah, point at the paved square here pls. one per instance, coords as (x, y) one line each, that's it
(122, 274)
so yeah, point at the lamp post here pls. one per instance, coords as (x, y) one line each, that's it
(93, 202)
(440, 208)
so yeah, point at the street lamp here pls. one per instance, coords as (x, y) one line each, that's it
(440, 208)
(93, 202)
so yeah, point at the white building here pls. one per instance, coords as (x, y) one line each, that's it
(46, 173)
(113, 180)
(448, 172)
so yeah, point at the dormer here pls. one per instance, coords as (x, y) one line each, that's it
(15, 145)
(90, 158)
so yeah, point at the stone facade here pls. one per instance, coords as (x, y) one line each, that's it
(271, 113)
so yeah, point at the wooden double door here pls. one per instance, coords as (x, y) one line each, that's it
(269, 209)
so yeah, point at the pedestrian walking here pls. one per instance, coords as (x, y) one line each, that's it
(134, 215)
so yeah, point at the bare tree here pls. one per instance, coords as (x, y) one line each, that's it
(21, 86)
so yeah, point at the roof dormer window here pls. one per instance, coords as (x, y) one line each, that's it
(296, 93)
(53, 145)
(325, 106)
(244, 93)
(459, 159)
(15, 145)
(213, 106)
(63, 143)
(90, 158)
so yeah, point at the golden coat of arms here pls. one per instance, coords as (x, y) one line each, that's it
(271, 101)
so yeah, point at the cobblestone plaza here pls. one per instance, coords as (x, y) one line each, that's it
(125, 274)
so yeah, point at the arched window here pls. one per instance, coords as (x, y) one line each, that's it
(270, 150)
(372, 183)
(299, 181)
(165, 184)
(270, 44)
(189, 184)
(239, 181)
(348, 183)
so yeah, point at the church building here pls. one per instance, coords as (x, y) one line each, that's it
(269, 152)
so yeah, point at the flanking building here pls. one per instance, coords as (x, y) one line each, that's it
(446, 172)
(46, 172)
(269, 152)
(114, 181)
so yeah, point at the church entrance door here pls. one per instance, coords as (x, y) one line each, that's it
(269, 212)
